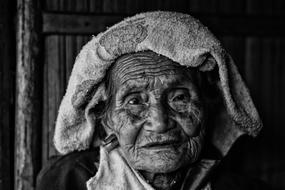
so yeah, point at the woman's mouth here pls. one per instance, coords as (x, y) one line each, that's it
(162, 144)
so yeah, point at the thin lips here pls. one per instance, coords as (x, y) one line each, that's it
(161, 143)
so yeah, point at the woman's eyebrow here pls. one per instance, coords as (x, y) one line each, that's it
(177, 82)
(127, 90)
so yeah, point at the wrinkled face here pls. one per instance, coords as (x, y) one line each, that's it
(156, 113)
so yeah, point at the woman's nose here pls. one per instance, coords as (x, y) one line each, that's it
(158, 119)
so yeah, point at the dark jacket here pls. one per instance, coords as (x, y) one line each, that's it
(70, 172)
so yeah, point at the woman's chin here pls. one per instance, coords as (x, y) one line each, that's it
(159, 164)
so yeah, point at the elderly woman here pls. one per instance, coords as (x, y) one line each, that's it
(154, 102)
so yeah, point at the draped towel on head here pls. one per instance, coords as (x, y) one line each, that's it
(177, 36)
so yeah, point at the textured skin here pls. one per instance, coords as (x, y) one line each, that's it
(156, 113)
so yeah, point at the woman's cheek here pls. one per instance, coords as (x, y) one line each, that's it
(179, 108)
(187, 126)
(137, 112)
(128, 127)
(190, 120)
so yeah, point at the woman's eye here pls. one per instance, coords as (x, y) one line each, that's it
(181, 97)
(135, 101)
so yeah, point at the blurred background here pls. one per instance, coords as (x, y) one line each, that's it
(39, 41)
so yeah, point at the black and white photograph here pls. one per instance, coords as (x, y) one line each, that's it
(142, 95)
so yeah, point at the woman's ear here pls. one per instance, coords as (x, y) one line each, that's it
(94, 111)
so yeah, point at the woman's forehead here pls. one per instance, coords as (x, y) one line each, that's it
(142, 65)
(158, 83)
(146, 71)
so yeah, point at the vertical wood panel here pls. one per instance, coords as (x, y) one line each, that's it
(193, 6)
(266, 79)
(70, 54)
(60, 54)
(278, 172)
(96, 6)
(7, 69)
(252, 60)
(259, 7)
(281, 74)
(231, 7)
(131, 6)
(51, 5)
(28, 97)
(45, 121)
(278, 7)
(265, 74)
(207, 6)
(54, 87)
(108, 6)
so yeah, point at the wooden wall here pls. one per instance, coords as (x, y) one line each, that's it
(7, 69)
(252, 35)
(251, 30)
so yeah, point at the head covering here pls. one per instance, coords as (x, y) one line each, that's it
(177, 36)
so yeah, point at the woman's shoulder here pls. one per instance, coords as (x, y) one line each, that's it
(69, 171)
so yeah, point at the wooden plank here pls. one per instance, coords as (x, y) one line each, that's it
(271, 100)
(207, 6)
(56, 84)
(252, 69)
(132, 6)
(230, 7)
(274, 96)
(55, 23)
(193, 5)
(52, 92)
(60, 55)
(45, 121)
(262, 7)
(266, 79)
(276, 168)
(265, 74)
(96, 6)
(281, 69)
(60, 23)
(7, 86)
(278, 7)
(70, 54)
(28, 97)
(169, 5)
(60, 52)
